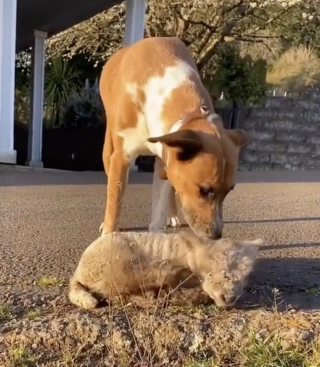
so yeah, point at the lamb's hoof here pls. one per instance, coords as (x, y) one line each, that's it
(89, 303)
(174, 222)
(83, 299)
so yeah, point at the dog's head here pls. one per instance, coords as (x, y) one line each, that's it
(200, 162)
(225, 267)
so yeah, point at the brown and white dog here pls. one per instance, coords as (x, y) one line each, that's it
(156, 104)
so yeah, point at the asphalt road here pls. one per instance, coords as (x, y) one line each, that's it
(48, 217)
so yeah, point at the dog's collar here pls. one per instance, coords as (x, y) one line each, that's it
(203, 111)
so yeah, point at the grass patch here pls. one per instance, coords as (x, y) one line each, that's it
(5, 312)
(272, 353)
(315, 291)
(210, 362)
(21, 357)
(51, 281)
(33, 314)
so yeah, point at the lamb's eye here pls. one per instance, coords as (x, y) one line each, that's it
(207, 192)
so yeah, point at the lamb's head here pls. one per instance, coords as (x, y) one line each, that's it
(225, 268)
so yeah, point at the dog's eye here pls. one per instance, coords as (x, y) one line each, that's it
(207, 192)
(209, 275)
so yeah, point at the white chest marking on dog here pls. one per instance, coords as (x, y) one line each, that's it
(157, 91)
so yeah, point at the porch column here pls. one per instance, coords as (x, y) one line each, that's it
(134, 29)
(135, 21)
(8, 13)
(36, 101)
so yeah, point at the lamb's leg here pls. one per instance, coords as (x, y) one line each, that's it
(79, 296)
(172, 211)
(163, 203)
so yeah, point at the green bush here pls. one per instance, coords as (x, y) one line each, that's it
(61, 80)
(84, 108)
(239, 78)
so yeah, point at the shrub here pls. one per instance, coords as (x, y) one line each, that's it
(84, 108)
(240, 79)
(61, 80)
(295, 69)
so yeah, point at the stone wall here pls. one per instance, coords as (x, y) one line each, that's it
(285, 133)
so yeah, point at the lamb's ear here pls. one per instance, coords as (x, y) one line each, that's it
(244, 267)
(186, 143)
(246, 258)
(257, 242)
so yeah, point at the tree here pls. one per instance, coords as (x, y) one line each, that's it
(202, 24)
(303, 27)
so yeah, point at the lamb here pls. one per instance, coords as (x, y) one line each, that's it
(129, 263)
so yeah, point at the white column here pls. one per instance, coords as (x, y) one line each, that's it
(37, 92)
(134, 29)
(8, 16)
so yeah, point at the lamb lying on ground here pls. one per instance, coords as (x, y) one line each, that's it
(129, 263)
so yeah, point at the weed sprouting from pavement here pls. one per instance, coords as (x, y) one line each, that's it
(276, 301)
(33, 314)
(51, 281)
(314, 291)
(21, 357)
(5, 312)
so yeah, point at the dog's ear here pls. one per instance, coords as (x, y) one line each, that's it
(186, 143)
(162, 174)
(239, 137)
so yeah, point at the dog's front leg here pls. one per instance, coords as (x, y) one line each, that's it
(117, 181)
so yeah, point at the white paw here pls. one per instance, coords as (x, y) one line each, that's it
(174, 222)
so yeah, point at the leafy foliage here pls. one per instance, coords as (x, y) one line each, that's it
(83, 108)
(202, 25)
(239, 78)
(303, 27)
(295, 69)
(61, 80)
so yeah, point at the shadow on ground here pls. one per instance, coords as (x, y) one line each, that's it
(284, 283)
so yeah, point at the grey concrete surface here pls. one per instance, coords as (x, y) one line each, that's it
(48, 217)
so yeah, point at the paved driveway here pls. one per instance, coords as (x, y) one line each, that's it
(48, 217)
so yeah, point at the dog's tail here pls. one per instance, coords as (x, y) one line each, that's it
(79, 296)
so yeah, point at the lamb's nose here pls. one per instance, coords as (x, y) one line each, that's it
(229, 300)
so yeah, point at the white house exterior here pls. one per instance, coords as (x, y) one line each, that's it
(27, 24)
